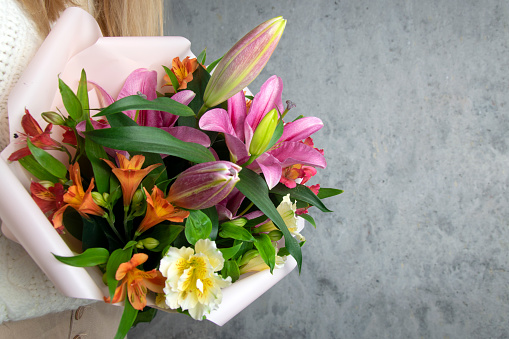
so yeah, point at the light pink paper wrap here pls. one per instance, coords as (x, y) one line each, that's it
(74, 43)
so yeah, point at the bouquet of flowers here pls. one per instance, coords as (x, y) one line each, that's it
(175, 192)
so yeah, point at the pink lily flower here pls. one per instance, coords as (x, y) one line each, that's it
(238, 125)
(143, 81)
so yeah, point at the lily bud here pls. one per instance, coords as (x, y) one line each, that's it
(204, 185)
(243, 62)
(99, 200)
(53, 118)
(148, 243)
(263, 133)
(137, 197)
(275, 235)
(248, 256)
(240, 222)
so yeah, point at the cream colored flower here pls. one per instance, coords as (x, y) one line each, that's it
(191, 281)
(257, 264)
(287, 211)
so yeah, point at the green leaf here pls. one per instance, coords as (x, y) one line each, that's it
(309, 219)
(201, 58)
(119, 256)
(71, 102)
(149, 139)
(94, 234)
(266, 249)
(128, 317)
(302, 193)
(211, 212)
(47, 161)
(120, 120)
(173, 78)
(164, 233)
(95, 153)
(89, 258)
(230, 251)
(73, 223)
(197, 85)
(235, 232)
(32, 166)
(211, 67)
(136, 102)
(231, 269)
(328, 192)
(82, 93)
(131, 243)
(145, 316)
(255, 189)
(198, 226)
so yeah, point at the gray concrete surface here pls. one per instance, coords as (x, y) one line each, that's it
(413, 95)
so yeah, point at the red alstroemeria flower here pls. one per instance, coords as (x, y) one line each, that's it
(48, 199)
(158, 210)
(78, 199)
(136, 282)
(37, 136)
(295, 173)
(183, 70)
(130, 174)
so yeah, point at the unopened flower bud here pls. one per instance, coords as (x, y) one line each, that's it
(248, 256)
(53, 118)
(148, 243)
(263, 133)
(275, 235)
(99, 200)
(204, 185)
(137, 197)
(267, 227)
(239, 222)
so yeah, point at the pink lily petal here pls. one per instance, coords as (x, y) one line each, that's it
(217, 120)
(267, 99)
(140, 80)
(237, 111)
(301, 129)
(270, 167)
(237, 149)
(184, 97)
(188, 134)
(104, 98)
(292, 152)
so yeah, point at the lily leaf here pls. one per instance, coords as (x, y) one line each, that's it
(89, 258)
(47, 161)
(230, 251)
(128, 317)
(198, 226)
(32, 166)
(266, 250)
(301, 193)
(211, 67)
(328, 192)
(231, 269)
(309, 219)
(82, 93)
(136, 102)
(149, 139)
(95, 153)
(173, 78)
(201, 58)
(71, 102)
(256, 190)
(235, 232)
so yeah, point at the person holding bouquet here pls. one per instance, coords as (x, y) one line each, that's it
(30, 306)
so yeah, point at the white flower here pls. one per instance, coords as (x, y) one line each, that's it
(192, 283)
(287, 211)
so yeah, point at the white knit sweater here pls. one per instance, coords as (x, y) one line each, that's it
(25, 291)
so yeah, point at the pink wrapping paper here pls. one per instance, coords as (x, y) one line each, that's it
(75, 42)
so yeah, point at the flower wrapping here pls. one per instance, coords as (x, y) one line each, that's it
(75, 43)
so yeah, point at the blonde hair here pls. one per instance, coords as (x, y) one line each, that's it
(115, 17)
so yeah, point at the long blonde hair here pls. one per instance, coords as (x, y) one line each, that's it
(115, 17)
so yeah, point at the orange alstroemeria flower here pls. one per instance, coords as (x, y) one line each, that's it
(137, 282)
(130, 174)
(158, 210)
(183, 70)
(77, 198)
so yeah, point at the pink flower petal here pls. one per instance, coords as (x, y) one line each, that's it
(301, 129)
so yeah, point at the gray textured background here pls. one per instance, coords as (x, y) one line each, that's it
(413, 95)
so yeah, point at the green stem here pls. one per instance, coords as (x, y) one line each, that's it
(250, 161)
(112, 225)
(245, 210)
(202, 110)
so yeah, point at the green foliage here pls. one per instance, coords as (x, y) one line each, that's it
(47, 161)
(91, 257)
(266, 250)
(198, 226)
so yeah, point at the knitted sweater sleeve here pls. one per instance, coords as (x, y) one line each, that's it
(25, 291)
